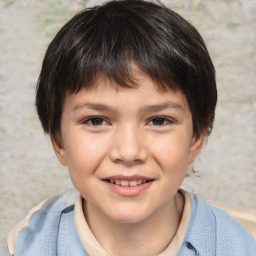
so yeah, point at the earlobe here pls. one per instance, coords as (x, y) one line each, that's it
(195, 147)
(59, 150)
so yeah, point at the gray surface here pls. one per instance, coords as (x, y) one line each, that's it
(29, 170)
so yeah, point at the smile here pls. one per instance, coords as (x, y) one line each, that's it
(131, 183)
(128, 186)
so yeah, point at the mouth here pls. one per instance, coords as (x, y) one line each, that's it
(128, 183)
(128, 186)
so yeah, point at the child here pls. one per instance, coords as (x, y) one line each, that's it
(127, 94)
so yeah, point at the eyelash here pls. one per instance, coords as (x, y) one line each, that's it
(90, 121)
(100, 120)
(164, 121)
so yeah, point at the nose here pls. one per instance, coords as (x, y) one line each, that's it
(128, 146)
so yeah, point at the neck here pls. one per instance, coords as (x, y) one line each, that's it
(148, 237)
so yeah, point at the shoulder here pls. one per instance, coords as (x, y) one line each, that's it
(213, 229)
(231, 234)
(243, 215)
(42, 219)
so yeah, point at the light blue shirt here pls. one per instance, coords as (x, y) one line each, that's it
(52, 232)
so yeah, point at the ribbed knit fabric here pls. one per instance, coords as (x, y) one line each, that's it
(51, 231)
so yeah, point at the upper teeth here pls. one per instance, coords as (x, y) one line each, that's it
(131, 183)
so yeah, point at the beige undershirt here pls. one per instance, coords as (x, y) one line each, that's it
(93, 248)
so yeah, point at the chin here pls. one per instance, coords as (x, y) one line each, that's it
(129, 216)
(128, 220)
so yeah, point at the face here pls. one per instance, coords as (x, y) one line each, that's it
(127, 150)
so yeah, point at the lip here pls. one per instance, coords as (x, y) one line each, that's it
(129, 178)
(128, 191)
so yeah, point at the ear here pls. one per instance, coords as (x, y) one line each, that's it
(59, 150)
(195, 147)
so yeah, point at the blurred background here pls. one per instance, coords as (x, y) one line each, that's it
(29, 171)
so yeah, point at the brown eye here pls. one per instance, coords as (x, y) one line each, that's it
(160, 121)
(95, 121)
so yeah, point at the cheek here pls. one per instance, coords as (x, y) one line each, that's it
(84, 154)
(171, 150)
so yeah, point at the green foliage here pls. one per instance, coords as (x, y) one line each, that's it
(55, 13)
(7, 3)
(232, 20)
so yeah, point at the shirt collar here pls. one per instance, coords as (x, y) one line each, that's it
(201, 233)
(92, 246)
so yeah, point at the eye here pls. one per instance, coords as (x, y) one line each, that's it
(95, 121)
(160, 121)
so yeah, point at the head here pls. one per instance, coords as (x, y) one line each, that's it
(110, 41)
(127, 93)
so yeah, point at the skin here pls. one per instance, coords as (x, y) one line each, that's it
(108, 131)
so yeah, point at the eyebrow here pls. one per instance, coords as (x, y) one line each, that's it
(96, 106)
(160, 107)
(144, 109)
